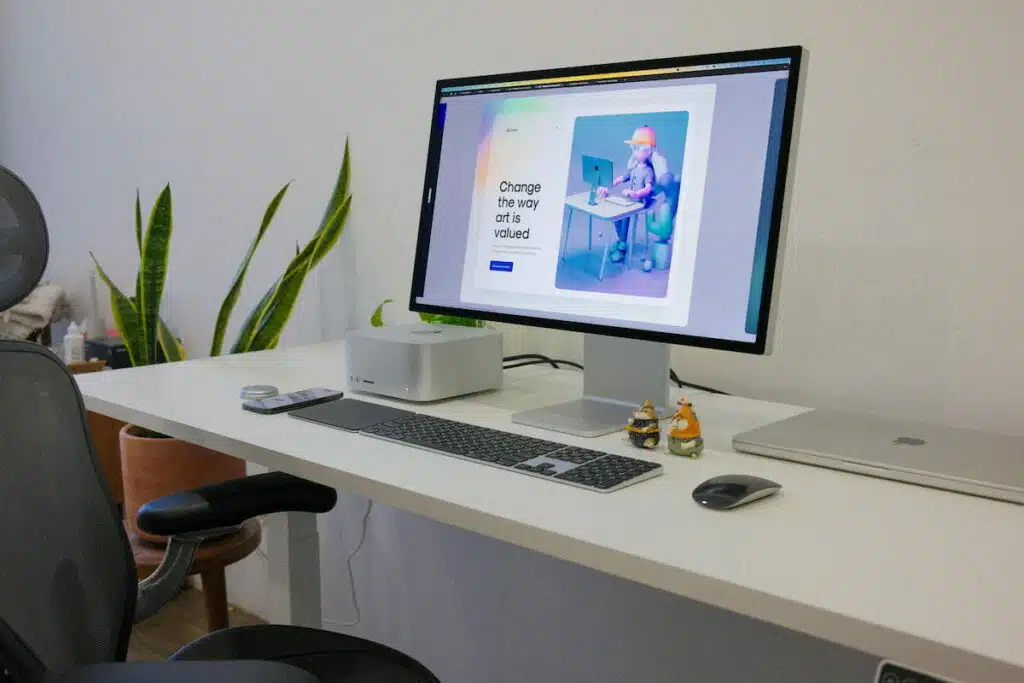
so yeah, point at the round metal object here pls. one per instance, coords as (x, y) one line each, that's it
(255, 391)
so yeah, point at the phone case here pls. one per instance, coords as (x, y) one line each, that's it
(292, 401)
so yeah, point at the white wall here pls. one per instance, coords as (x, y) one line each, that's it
(899, 291)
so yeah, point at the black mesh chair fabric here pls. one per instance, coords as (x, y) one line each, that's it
(67, 576)
(331, 657)
(24, 245)
(185, 672)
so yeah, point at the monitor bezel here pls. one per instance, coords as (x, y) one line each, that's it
(760, 344)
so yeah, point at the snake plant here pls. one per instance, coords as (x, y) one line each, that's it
(146, 336)
(377, 318)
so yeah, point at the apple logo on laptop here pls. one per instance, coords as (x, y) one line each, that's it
(908, 441)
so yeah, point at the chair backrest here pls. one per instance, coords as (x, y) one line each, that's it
(67, 576)
(662, 174)
(24, 242)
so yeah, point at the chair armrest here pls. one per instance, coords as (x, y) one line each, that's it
(230, 503)
(185, 672)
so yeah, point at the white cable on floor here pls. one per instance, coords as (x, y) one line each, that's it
(348, 564)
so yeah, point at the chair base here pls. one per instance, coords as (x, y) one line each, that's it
(331, 657)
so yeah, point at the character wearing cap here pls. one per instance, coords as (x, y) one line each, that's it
(642, 427)
(639, 181)
(684, 437)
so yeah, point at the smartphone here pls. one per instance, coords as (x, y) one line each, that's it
(293, 401)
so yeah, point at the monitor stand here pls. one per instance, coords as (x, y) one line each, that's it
(618, 376)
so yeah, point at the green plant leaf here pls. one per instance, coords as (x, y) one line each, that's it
(339, 199)
(280, 310)
(153, 269)
(377, 319)
(266, 323)
(340, 192)
(274, 322)
(258, 316)
(331, 233)
(248, 330)
(138, 242)
(228, 305)
(263, 327)
(138, 222)
(169, 344)
(126, 317)
(441, 319)
(317, 249)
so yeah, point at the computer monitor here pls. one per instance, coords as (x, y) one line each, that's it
(597, 173)
(679, 246)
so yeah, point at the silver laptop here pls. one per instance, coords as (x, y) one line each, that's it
(951, 458)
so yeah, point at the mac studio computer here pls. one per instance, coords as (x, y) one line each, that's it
(639, 203)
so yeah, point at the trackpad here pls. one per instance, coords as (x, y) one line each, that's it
(349, 414)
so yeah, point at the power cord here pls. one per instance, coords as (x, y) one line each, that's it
(690, 385)
(524, 359)
(536, 356)
(348, 565)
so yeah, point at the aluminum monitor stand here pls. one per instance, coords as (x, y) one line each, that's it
(619, 375)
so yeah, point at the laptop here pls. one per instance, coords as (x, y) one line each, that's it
(951, 458)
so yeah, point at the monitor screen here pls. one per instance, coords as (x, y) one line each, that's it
(640, 200)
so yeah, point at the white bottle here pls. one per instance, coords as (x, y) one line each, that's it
(74, 344)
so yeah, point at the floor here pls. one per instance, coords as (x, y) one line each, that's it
(180, 622)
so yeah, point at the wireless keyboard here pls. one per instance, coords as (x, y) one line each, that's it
(567, 464)
(582, 467)
(620, 201)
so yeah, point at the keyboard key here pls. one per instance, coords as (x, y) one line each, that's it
(576, 456)
(608, 472)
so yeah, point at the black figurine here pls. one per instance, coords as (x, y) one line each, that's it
(642, 427)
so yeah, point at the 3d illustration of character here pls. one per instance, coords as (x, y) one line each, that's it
(640, 179)
(684, 431)
(642, 427)
(629, 207)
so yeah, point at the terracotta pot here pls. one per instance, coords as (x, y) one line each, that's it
(151, 468)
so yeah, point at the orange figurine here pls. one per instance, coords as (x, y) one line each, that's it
(684, 431)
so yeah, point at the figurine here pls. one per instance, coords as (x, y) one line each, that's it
(642, 427)
(639, 179)
(684, 431)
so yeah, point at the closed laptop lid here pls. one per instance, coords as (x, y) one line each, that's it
(939, 451)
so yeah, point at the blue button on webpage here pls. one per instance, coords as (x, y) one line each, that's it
(502, 266)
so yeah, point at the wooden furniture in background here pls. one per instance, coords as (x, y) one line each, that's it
(211, 560)
(105, 436)
(85, 366)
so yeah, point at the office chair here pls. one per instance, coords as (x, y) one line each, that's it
(666, 192)
(68, 596)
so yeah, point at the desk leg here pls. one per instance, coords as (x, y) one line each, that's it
(604, 260)
(630, 238)
(568, 225)
(590, 233)
(293, 567)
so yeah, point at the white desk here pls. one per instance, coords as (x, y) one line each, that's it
(929, 578)
(606, 211)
